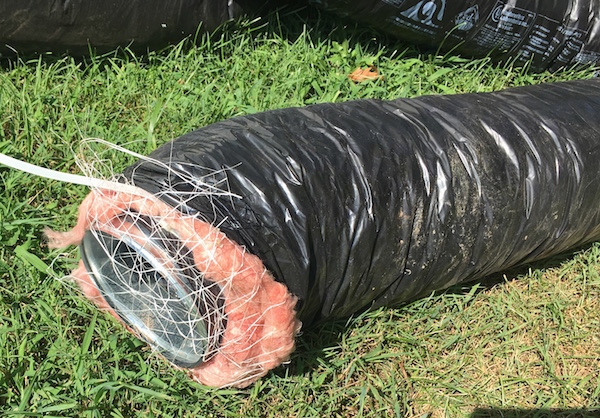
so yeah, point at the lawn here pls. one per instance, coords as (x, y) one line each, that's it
(522, 343)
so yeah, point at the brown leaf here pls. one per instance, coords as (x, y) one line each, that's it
(364, 74)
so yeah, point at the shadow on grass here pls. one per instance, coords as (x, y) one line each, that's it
(319, 338)
(291, 22)
(534, 413)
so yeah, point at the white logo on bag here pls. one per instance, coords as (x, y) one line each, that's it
(465, 20)
(497, 13)
(427, 12)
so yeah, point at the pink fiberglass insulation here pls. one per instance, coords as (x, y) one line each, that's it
(261, 320)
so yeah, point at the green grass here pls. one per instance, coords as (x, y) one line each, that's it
(527, 343)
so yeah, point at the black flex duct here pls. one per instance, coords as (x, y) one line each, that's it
(75, 25)
(372, 203)
(550, 33)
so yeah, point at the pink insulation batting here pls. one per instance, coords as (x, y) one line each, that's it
(261, 319)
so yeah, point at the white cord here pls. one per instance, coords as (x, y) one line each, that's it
(71, 178)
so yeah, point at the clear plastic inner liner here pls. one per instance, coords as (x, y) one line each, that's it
(155, 289)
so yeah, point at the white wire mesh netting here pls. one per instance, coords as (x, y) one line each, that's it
(177, 282)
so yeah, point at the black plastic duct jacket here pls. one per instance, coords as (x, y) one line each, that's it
(550, 33)
(76, 25)
(369, 203)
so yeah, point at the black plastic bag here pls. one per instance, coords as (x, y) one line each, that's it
(550, 34)
(369, 203)
(75, 26)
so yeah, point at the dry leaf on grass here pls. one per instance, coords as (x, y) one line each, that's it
(364, 74)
